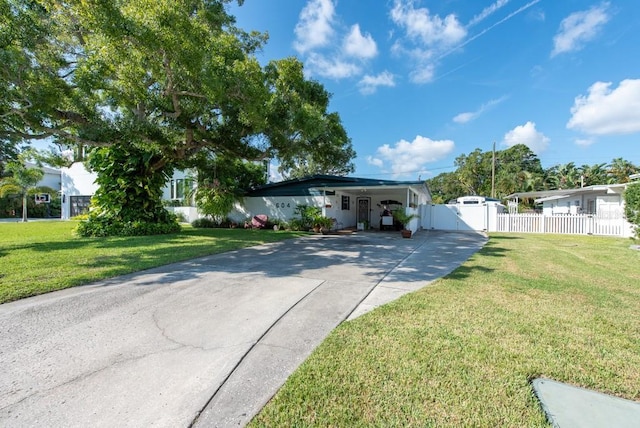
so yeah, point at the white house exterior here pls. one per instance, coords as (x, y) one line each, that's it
(51, 177)
(593, 210)
(602, 200)
(77, 185)
(351, 201)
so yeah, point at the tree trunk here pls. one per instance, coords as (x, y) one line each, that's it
(24, 207)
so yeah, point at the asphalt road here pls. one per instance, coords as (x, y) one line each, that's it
(205, 342)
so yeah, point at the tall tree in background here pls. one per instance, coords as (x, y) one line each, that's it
(474, 172)
(517, 168)
(592, 174)
(445, 187)
(619, 171)
(565, 176)
(167, 77)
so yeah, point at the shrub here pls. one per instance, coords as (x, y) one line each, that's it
(180, 217)
(632, 206)
(204, 223)
(97, 227)
(298, 224)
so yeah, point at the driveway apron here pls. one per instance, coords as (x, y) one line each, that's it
(205, 342)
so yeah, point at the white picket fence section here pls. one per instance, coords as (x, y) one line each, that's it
(581, 224)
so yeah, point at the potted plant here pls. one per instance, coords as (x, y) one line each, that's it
(403, 218)
(322, 223)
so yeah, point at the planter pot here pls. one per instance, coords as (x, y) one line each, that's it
(406, 233)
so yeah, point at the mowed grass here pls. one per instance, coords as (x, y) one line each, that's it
(462, 351)
(42, 256)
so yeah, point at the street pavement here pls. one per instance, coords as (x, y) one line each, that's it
(205, 342)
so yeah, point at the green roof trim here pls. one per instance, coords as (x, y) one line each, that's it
(309, 186)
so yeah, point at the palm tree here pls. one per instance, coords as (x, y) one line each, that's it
(620, 170)
(593, 174)
(564, 176)
(23, 179)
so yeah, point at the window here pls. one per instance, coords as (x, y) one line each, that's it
(179, 187)
(345, 202)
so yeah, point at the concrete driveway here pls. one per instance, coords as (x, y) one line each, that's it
(205, 342)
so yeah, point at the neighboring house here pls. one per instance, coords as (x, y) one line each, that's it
(51, 176)
(590, 210)
(601, 200)
(78, 186)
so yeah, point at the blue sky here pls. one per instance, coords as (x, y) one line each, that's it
(418, 83)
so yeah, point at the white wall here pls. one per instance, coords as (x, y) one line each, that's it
(461, 217)
(283, 207)
(76, 181)
(52, 178)
(578, 204)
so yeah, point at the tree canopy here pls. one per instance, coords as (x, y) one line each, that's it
(166, 77)
(171, 75)
(518, 169)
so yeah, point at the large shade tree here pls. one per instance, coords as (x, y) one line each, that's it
(166, 78)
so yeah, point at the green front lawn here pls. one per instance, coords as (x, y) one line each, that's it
(462, 351)
(42, 256)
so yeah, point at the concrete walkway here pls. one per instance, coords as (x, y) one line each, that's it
(568, 406)
(205, 342)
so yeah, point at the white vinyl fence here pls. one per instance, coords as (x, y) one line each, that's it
(581, 224)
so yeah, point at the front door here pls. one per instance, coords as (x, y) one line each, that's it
(363, 210)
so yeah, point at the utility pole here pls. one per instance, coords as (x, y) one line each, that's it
(493, 172)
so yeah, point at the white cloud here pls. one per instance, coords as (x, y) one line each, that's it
(409, 157)
(528, 135)
(335, 68)
(487, 11)
(314, 29)
(607, 111)
(466, 117)
(579, 28)
(471, 115)
(369, 84)
(424, 73)
(375, 161)
(359, 46)
(429, 29)
(316, 35)
(432, 38)
(489, 28)
(584, 142)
